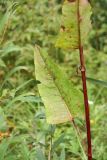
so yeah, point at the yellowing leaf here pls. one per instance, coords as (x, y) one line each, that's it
(68, 36)
(62, 100)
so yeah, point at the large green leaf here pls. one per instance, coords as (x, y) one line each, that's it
(62, 100)
(68, 36)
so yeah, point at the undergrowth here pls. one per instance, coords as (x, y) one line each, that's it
(24, 133)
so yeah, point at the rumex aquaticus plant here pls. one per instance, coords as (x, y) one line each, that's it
(63, 101)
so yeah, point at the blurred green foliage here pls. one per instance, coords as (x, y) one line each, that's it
(24, 133)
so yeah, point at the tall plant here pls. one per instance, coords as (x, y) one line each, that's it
(62, 99)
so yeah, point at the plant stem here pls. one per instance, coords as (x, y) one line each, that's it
(79, 140)
(50, 147)
(83, 73)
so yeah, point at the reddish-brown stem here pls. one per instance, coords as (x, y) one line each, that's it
(83, 74)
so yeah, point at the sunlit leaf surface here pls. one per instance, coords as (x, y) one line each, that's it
(62, 100)
(68, 36)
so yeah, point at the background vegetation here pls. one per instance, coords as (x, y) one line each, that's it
(24, 133)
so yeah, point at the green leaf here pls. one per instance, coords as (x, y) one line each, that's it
(62, 156)
(3, 123)
(7, 16)
(11, 157)
(23, 85)
(40, 155)
(18, 68)
(62, 100)
(99, 82)
(4, 147)
(24, 98)
(69, 35)
(24, 151)
(8, 48)
(2, 64)
(55, 157)
(4, 20)
(58, 141)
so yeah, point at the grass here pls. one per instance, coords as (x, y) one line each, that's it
(24, 133)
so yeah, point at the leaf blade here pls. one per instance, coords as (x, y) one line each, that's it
(68, 37)
(47, 93)
(62, 100)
